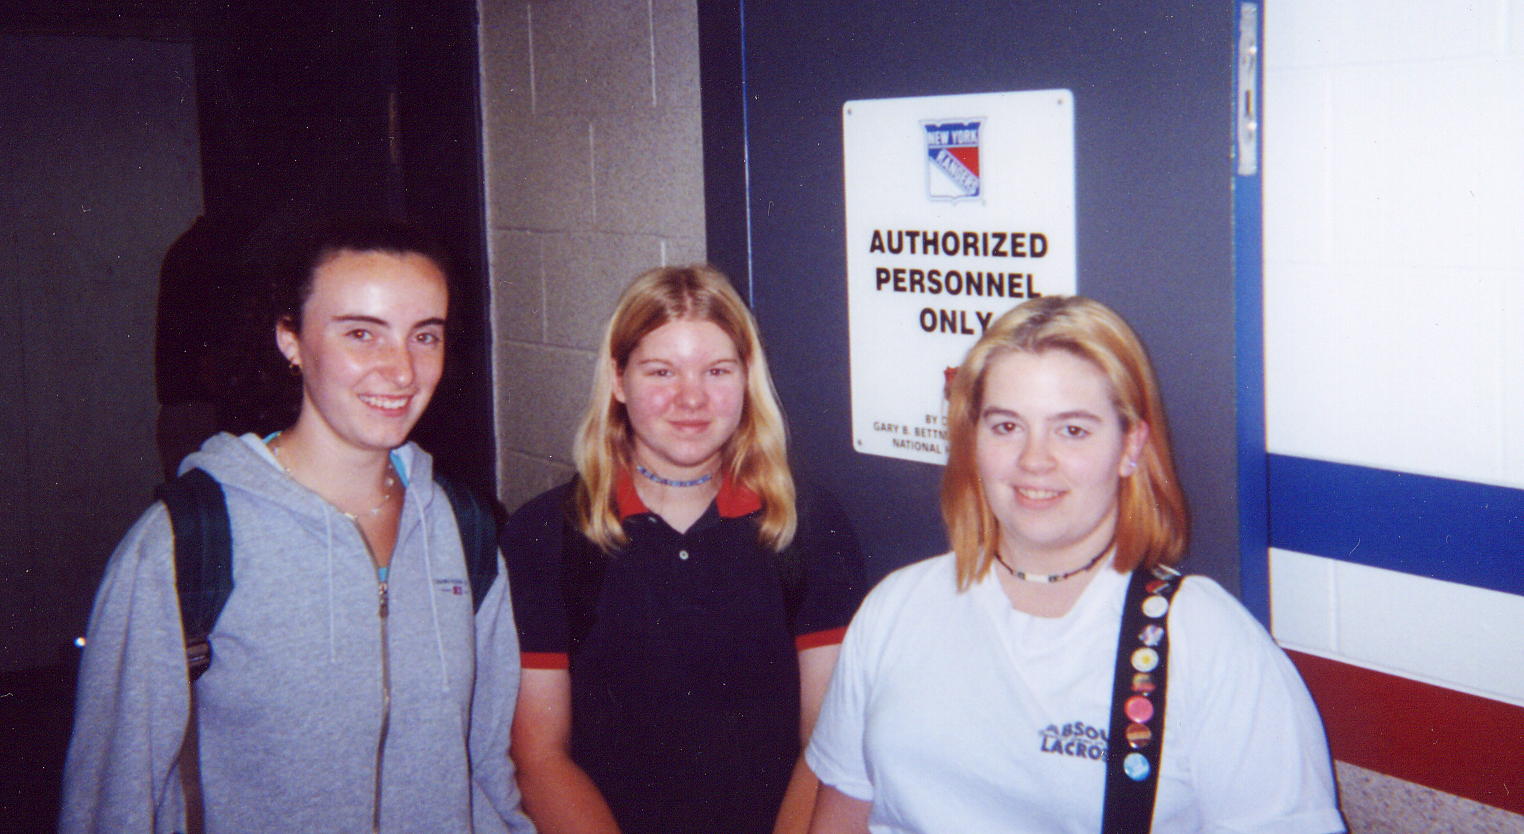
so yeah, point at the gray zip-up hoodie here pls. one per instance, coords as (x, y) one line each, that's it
(291, 710)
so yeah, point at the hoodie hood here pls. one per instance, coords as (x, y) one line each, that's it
(252, 478)
(244, 463)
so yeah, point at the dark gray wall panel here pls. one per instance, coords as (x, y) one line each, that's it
(1153, 124)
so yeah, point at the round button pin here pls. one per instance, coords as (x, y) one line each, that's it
(682, 554)
(1139, 709)
(1139, 736)
(1155, 606)
(1136, 767)
(1145, 659)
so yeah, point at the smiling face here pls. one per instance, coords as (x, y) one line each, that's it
(1050, 450)
(684, 389)
(370, 347)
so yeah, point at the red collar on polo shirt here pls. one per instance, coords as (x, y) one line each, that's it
(733, 501)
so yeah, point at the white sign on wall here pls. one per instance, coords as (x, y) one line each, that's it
(958, 208)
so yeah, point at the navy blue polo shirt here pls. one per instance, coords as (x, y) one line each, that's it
(685, 689)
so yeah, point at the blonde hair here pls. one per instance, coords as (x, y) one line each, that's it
(1152, 520)
(756, 456)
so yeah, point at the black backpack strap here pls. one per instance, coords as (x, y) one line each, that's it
(198, 514)
(203, 553)
(1136, 738)
(478, 535)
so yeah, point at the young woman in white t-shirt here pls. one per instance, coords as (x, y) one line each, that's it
(974, 690)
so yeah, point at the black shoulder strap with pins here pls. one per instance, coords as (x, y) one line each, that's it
(1136, 737)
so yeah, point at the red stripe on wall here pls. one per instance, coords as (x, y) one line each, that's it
(1447, 740)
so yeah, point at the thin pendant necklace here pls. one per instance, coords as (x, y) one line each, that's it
(699, 481)
(386, 494)
(1052, 577)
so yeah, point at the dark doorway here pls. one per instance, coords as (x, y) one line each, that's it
(304, 108)
(310, 109)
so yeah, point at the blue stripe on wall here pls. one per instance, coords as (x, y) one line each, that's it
(1457, 531)
(1249, 344)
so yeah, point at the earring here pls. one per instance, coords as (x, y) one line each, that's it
(294, 369)
(1132, 466)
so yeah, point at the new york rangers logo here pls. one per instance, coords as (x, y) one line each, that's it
(952, 164)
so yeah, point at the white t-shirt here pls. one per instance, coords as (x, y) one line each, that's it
(956, 713)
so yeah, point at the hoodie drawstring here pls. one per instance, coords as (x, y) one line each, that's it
(333, 638)
(428, 568)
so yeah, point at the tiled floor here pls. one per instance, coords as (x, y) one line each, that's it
(1374, 803)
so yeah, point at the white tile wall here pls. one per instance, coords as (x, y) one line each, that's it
(1394, 235)
(1511, 25)
(1303, 601)
(1395, 367)
(1403, 155)
(1444, 633)
(1320, 33)
(1512, 386)
(1466, 637)
(1394, 303)
(1500, 158)
(1296, 150)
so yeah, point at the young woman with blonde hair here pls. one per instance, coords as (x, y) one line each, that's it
(989, 689)
(680, 602)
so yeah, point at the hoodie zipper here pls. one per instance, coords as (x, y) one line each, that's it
(382, 589)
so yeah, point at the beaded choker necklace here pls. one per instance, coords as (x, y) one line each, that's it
(1052, 577)
(702, 479)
